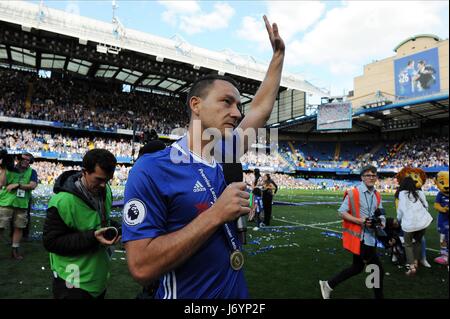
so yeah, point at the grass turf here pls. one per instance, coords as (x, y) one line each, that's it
(281, 262)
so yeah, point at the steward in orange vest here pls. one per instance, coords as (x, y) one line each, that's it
(352, 232)
(359, 233)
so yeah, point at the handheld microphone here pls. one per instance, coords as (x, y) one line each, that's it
(233, 172)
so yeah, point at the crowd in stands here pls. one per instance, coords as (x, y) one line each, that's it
(420, 152)
(273, 160)
(426, 152)
(77, 104)
(41, 140)
(284, 181)
(48, 172)
(390, 185)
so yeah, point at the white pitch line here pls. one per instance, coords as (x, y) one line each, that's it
(305, 225)
(329, 223)
(278, 226)
(334, 231)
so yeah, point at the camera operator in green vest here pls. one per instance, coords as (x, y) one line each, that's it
(16, 186)
(78, 231)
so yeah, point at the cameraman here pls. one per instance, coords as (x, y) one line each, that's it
(360, 223)
(16, 186)
(76, 231)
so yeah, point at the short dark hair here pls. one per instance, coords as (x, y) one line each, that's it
(101, 157)
(26, 154)
(21, 155)
(201, 86)
(369, 168)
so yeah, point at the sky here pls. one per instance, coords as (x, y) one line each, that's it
(327, 42)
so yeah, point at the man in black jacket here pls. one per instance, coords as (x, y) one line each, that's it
(269, 189)
(77, 230)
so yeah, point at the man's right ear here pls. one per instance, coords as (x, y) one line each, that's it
(194, 105)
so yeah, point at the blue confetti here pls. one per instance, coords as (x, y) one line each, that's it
(331, 234)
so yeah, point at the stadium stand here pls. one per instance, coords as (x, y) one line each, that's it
(46, 144)
(75, 103)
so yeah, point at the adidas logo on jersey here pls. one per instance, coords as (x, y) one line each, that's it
(198, 187)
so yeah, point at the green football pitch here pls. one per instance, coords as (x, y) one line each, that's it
(286, 260)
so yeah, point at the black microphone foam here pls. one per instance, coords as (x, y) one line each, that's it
(233, 172)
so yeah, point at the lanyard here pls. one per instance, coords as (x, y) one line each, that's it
(369, 207)
(96, 202)
(231, 238)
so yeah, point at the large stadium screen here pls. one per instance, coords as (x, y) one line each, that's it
(334, 116)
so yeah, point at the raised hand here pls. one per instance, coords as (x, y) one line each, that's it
(275, 40)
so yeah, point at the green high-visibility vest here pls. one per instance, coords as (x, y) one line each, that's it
(10, 199)
(89, 271)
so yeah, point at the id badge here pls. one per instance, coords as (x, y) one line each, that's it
(20, 193)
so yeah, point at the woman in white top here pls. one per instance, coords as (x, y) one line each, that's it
(412, 213)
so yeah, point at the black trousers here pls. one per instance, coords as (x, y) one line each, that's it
(60, 291)
(267, 203)
(368, 256)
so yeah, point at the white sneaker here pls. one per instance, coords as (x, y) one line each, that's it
(325, 289)
(425, 263)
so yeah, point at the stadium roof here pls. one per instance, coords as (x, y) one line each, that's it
(54, 39)
(384, 117)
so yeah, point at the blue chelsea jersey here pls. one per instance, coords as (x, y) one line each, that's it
(442, 221)
(163, 196)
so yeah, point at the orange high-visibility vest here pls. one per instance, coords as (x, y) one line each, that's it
(351, 233)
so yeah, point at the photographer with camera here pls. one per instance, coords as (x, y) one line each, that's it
(78, 231)
(362, 215)
(16, 184)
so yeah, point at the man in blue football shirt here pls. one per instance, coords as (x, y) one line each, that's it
(178, 219)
